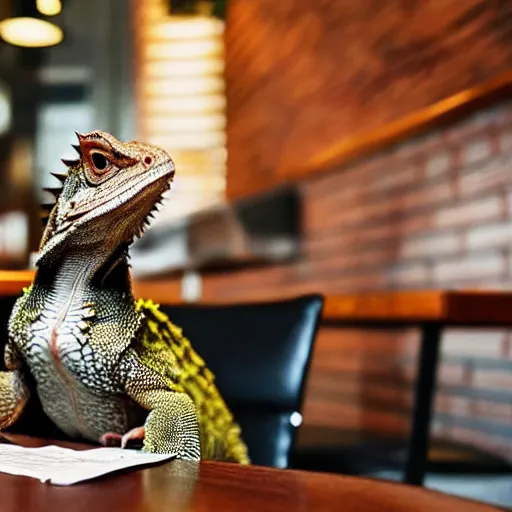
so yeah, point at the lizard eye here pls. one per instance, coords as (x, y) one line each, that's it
(99, 160)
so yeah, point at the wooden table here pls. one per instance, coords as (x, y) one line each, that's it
(180, 486)
(430, 310)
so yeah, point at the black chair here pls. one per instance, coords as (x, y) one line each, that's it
(260, 355)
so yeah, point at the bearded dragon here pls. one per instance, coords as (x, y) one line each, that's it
(109, 368)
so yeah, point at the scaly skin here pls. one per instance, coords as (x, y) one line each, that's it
(106, 367)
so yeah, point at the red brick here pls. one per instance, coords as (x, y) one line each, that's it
(469, 268)
(491, 379)
(477, 211)
(349, 241)
(475, 150)
(490, 176)
(489, 236)
(362, 206)
(343, 180)
(430, 245)
(507, 347)
(352, 416)
(386, 396)
(431, 195)
(344, 343)
(393, 178)
(505, 139)
(473, 343)
(418, 146)
(449, 374)
(456, 405)
(409, 274)
(491, 410)
(393, 209)
(350, 262)
(438, 163)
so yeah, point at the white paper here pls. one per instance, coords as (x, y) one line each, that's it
(64, 466)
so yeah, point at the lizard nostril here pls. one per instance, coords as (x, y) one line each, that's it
(148, 160)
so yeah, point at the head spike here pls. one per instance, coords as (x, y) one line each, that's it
(77, 149)
(60, 177)
(70, 163)
(80, 136)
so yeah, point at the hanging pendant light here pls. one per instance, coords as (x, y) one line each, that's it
(28, 28)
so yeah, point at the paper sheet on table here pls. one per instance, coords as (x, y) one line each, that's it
(63, 466)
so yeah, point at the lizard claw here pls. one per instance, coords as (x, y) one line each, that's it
(111, 438)
(134, 434)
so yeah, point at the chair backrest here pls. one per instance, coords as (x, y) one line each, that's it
(260, 355)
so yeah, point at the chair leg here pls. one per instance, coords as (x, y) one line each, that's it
(417, 452)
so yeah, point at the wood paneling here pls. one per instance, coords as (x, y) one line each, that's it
(311, 83)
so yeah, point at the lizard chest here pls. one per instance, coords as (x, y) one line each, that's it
(75, 384)
(57, 349)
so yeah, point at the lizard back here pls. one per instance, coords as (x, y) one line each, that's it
(163, 347)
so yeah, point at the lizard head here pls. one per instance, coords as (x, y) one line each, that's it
(108, 194)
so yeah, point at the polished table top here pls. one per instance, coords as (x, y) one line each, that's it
(181, 486)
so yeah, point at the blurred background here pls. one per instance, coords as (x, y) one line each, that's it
(320, 146)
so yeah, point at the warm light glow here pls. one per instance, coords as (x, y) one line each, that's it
(183, 86)
(186, 28)
(170, 105)
(49, 7)
(30, 32)
(194, 141)
(184, 50)
(177, 68)
(181, 100)
(193, 123)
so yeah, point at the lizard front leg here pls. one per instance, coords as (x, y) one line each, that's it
(172, 425)
(14, 392)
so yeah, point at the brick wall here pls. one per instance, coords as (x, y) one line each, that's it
(431, 212)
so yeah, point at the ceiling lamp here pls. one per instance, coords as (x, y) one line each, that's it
(25, 27)
(49, 7)
(30, 32)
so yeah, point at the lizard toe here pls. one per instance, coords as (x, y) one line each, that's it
(135, 434)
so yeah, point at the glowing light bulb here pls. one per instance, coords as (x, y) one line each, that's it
(30, 32)
(49, 7)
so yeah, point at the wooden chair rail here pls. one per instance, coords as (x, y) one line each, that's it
(453, 307)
